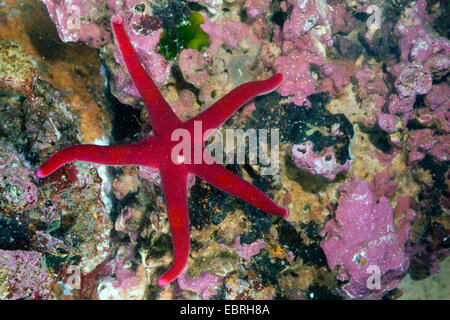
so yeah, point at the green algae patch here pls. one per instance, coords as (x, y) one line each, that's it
(187, 35)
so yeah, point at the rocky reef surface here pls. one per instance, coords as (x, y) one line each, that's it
(362, 119)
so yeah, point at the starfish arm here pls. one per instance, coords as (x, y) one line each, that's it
(174, 182)
(221, 111)
(160, 113)
(107, 155)
(218, 176)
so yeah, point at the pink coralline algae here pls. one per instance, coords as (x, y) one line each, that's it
(438, 97)
(205, 285)
(87, 21)
(424, 57)
(195, 67)
(256, 8)
(18, 192)
(387, 122)
(23, 276)
(418, 45)
(198, 69)
(306, 35)
(423, 141)
(323, 163)
(400, 106)
(224, 31)
(75, 20)
(334, 79)
(299, 82)
(414, 79)
(369, 83)
(299, 52)
(122, 282)
(246, 251)
(437, 110)
(367, 241)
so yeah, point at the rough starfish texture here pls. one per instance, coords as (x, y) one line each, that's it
(156, 151)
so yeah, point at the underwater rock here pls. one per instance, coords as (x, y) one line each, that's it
(305, 39)
(256, 8)
(387, 122)
(413, 80)
(358, 101)
(72, 70)
(18, 191)
(252, 289)
(323, 163)
(436, 112)
(205, 285)
(80, 216)
(124, 282)
(88, 21)
(78, 20)
(17, 69)
(23, 276)
(364, 241)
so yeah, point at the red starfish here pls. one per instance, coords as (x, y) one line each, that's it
(155, 151)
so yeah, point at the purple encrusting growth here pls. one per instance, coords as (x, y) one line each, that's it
(75, 21)
(118, 280)
(413, 79)
(424, 57)
(304, 39)
(373, 92)
(87, 21)
(205, 284)
(22, 276)
(365, 237)
(323, 163)
(420, 143)
(256, 8)
(18, 192)
(387, 122)
(437, 110)
(246, 251)
(224, 31)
